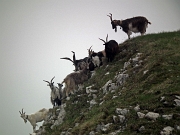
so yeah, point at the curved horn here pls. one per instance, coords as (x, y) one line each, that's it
(102, 40)
(52, 79)
(46, 81)
(107, 38)
(110, 16)
(66, 58)
(90, 51)
(74, 57)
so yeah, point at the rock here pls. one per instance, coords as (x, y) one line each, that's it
(122, 118)
(178, 127)
(121, 78)
(76, 124)
(177, 101)
(167, 131)
(152, 115)
(126, 64)
(92, 133)
(145, 72)
(88, 89)
(137, 108)
(61, 116)
(92, 102)
(112, 86)
(105, 88)
(142, 128)
(107, 73)
(167, 117)
(103, 127)
(94, 96)
(115, 119)
(178, 97)
(140, 115)
(162, 99)
(101, 103)
(114, 97)
(121, 111)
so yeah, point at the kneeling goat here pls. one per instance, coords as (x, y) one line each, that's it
(36, 117)
(135, 24)
(111, 48)
(55, 93)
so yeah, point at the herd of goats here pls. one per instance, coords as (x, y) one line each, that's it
(84, 66)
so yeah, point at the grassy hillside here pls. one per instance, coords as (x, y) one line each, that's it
(157, 76)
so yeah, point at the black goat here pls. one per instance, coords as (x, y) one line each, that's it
(81, 63)
(111, 48)
(135, 24)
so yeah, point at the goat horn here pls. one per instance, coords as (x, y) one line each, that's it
(102, 40)
(107, 38)
(66, 58)
(52, 79)
(46, 81)
(89, 50)
(110, 16)
(20, 112)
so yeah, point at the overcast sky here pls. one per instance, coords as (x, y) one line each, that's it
(34, 34)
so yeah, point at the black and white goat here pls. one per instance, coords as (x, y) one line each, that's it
(74, 79)
(96, 57)
(35, 117)
(81, 63)
(111, 48)
(135, 24)
(55, 93)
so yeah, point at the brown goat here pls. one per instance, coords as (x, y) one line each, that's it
(74, 79)
(135, 24)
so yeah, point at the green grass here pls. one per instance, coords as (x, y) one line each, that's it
(161, 57)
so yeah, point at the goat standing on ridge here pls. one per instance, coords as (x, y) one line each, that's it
(135, 24)
(55, 93)
(36, 117)
(111, 48)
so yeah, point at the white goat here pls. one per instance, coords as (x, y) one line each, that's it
(36, 117)
(55, 93)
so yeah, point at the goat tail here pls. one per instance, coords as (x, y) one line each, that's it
(149, 22)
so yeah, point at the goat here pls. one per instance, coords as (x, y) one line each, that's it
(74, 79)
(111, 48)
(81, 63)
(96, 57)
(36, 117)
(135, 24)
(62, 91)
(55, 93)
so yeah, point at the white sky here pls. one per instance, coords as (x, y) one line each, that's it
(34, 34)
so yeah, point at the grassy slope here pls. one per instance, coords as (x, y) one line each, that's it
(161, 57)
